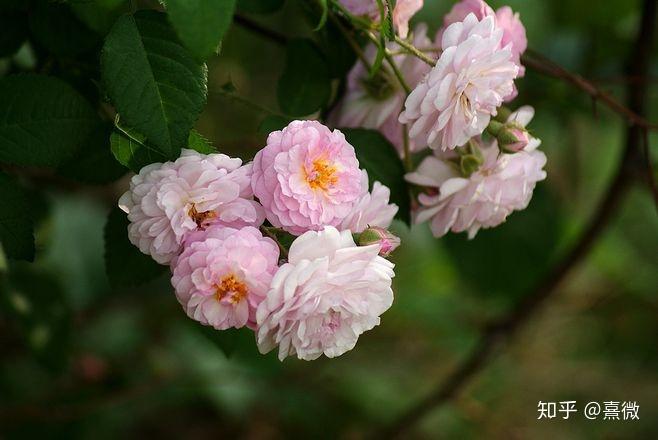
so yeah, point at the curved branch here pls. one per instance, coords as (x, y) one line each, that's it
(543, 65)
(505, 328)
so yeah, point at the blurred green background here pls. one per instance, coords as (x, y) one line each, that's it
(104, 363)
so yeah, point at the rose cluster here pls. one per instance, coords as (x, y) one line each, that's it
(214, 220)
(484, 164)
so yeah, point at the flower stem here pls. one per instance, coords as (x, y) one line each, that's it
(414, 51)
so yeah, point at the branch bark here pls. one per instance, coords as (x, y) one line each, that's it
(502, 330)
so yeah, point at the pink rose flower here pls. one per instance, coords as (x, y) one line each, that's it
(223, 275)
(506, 19)
(376, 102)
(362, 8)
(329, 292)
(517, 140)
(503, 183)
(372, 209)
(513, 34)
(167, 201)
(306, 177)
(460, 11)
(457, 98)
(403, 11)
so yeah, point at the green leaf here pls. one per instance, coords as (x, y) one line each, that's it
(132, 150)
(201, 24)
(259, 6)
(94, 162)
(509, 259)
(124, 263)
(55, 27)
(197, 142)
(99, 15)
(337, 50)
(16, 222)
(14, 31)
(153, 81)
(305, 85)
(43, 120)
(377, 156)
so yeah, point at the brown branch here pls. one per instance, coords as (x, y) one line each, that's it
(650, 174)
(541, 64)
(505, 328)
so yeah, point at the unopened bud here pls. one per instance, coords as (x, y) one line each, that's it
(511, 136)
(513, 139)
(376, 235)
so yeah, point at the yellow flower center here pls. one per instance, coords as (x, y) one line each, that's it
(200, 217)
(322, 176)
(232, 287)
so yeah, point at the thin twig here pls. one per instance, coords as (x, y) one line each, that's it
(414, 51)
(505, 328)
(651, 176)
(543, 65)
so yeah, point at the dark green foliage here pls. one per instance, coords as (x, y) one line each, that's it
(56, 28)
(99, 15)
(259, 6)
(133, 151)
(43, 121)
(273, 123)
(197, 142)
(124, 263)
(339, 54)
(16, 220)
(304, 86)
(377, 156)
(153, 81)
(14, 31)
(201, 24)
(94, 162)
(511, 258)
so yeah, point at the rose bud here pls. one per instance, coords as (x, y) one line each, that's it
(381, 236)
(513, 139)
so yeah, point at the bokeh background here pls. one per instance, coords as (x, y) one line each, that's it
(104, 363)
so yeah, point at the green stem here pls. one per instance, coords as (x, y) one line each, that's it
(414, 51)
(396, 71)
